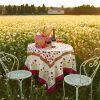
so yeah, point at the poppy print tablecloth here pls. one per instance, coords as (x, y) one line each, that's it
(49, 63)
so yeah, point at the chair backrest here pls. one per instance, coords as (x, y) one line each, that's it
(8, 62)
(90, 66)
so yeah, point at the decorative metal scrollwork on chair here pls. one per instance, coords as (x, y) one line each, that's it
(89, 68)
(9, 63)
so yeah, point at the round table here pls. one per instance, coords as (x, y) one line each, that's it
(49, 63)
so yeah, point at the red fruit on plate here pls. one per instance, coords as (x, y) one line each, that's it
(43, 46)
(60, 41)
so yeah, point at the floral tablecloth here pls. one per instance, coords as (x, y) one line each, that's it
(50, 63)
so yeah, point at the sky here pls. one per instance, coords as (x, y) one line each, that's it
(54, 3)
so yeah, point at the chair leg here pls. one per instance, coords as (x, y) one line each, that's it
(63, 90)
(21, 93)
(8, 89)
(77, 93)
(31, 87)
(91, 92)
(31, 83)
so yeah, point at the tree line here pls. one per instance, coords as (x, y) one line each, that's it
(22, 10)
(83, 10)
(29, 10)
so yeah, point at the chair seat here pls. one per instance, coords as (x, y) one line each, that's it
(19, 74)
(77, 80)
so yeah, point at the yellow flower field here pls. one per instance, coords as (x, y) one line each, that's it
(82, 32)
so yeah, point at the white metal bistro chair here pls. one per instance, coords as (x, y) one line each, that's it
(79, 80)
(9, 63)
